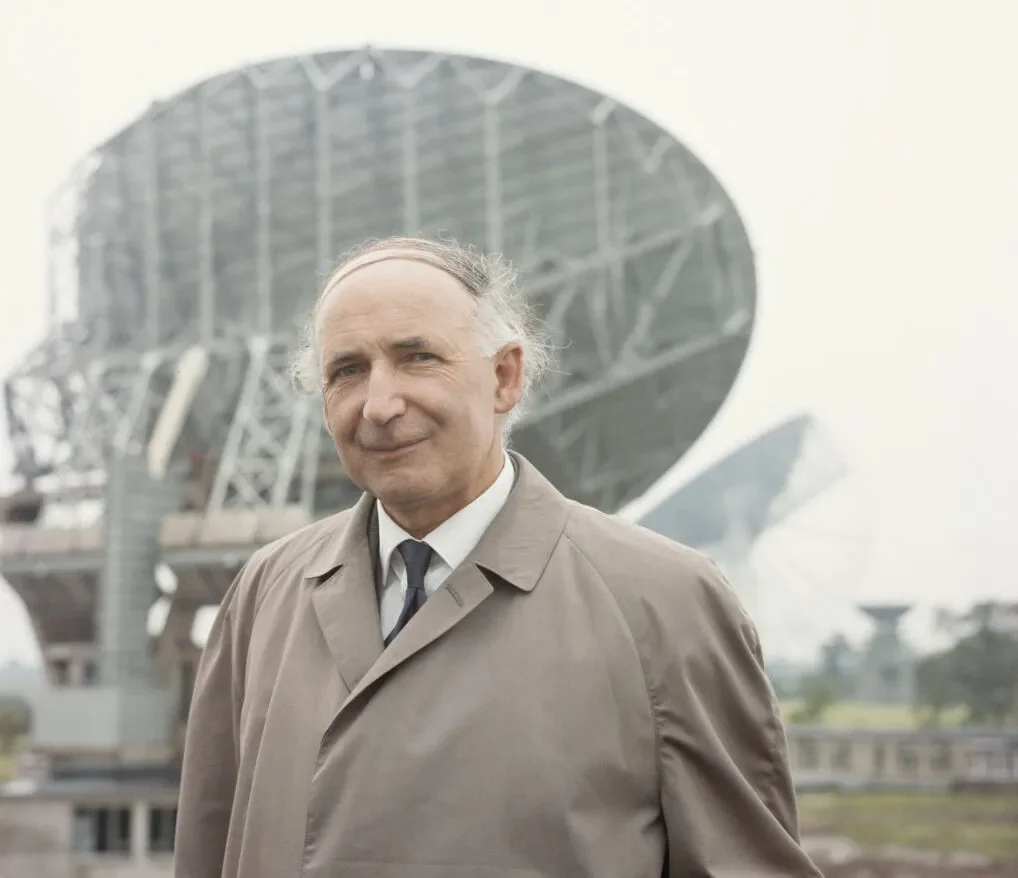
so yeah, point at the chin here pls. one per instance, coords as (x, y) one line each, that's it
(399, 484)
(401, 494)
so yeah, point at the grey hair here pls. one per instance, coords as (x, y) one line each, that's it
(504, 315)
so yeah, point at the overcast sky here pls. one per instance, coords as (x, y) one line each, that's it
(871, 148)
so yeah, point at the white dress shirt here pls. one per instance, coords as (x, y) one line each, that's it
(450, 543)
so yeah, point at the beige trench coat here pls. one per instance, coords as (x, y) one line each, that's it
(582, 699)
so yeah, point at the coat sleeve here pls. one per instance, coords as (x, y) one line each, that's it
(209, 770)
(727, 796)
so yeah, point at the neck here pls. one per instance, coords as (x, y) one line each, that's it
(423, 518)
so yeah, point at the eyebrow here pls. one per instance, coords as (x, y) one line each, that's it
(415, 343)
(410, 344)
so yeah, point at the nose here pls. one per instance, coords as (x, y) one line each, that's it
(383, 402)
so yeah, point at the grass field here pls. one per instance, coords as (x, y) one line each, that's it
(972, 823)
(853, 714)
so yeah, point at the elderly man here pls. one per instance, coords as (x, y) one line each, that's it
(468, 674)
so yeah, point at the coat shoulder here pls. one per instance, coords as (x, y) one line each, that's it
(623, 551)
(283, 560)
(302, 543)
(656, 581)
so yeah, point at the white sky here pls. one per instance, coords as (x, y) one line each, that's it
(871, 148)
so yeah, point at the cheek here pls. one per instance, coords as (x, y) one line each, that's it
(337, 414)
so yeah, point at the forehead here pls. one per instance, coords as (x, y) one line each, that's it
(391, 295)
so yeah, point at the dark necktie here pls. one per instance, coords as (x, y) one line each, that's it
(417, 557)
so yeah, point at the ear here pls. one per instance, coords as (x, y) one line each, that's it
(508, 363)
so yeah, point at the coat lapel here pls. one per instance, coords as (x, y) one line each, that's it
(342, 575)
(464, 591)
(512, 553)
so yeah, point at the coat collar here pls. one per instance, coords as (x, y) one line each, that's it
(341, 543)
(515, 547)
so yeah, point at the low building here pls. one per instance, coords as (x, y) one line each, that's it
(906, 759)
(88, 827)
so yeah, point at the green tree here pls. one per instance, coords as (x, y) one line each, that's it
(936, 689)
(835, 656)
(15, 722)
(819, 693)
(979, 671)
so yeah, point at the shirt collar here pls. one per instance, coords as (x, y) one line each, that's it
(455, 538)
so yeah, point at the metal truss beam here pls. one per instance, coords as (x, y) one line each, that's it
(68, 423)
(208, 221)
(267, 436)
(628, 374)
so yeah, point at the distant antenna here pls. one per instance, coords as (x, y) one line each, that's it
(886, 673)
(886, 616)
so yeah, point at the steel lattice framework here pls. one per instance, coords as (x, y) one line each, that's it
(210, 221)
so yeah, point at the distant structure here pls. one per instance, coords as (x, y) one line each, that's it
(736, 506)
(154, 428)
(838, 663)
(886, 669)
(906, 760)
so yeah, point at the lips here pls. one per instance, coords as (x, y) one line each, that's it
(390, 449)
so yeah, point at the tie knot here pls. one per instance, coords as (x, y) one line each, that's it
(417, 557)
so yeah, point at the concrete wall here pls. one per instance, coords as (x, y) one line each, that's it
(156, 868)
(36, 842)
(877, 758)
(78, 661)
(94, 718)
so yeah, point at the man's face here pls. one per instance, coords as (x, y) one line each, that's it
(409, 401)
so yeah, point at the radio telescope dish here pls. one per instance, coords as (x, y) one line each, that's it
(187, 250)
(785, 518)
(211, 219)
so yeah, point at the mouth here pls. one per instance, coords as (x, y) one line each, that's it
(393, 450)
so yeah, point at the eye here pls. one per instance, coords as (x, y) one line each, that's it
(421, 356)
(347, 371)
